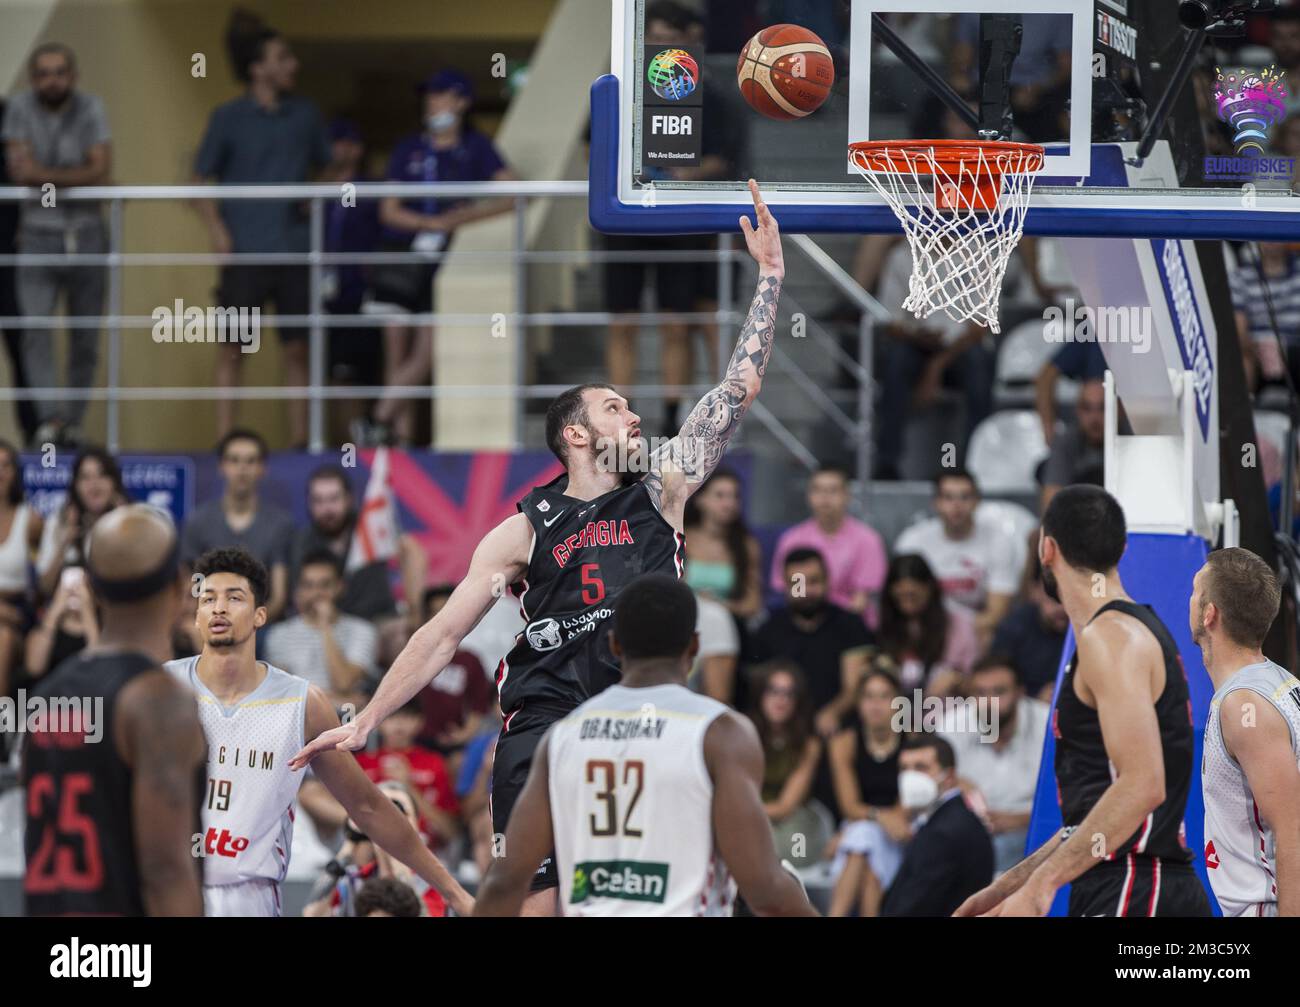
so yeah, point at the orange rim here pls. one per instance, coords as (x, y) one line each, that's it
(977, 165)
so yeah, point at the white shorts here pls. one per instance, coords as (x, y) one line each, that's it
(870, 840)
(260, 897)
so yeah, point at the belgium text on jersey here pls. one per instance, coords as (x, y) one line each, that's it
(58, 722)
(102, 961)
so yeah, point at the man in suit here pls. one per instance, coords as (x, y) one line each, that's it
(950, 855)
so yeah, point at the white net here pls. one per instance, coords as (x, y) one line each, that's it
(962, 220)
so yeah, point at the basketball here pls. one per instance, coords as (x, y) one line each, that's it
(785, 72)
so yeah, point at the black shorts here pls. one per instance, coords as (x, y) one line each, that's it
(678, 285)
(287, 287)
(1136, 885)
(510, 766)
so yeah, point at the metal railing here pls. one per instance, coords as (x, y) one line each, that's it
(317, 392)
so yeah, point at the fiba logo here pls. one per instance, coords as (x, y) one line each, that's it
(673, 74)
(1250, 102)
(543, 635)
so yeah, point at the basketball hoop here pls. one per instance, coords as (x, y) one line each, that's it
(962, 205)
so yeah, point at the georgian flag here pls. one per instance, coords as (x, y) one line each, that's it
(375, 536)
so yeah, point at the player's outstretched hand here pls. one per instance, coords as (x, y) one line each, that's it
(764, 241)
(346, 738)
(981, 902)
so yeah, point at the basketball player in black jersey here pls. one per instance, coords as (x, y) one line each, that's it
(615, 513)
(1123, 727)
(113, 805)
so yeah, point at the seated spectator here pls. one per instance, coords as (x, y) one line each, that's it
(1077, 454)
(714, 673)
(864, 766)
(1079, 361)
(387, 897)
(722, 557)
(1032, 637)
(240, 518)
(1003, 765)
(95, 490)
(790, 755)
(455, 702)
(22, 535)
(68, 625)
(425, 773)
(1276, 268)
(828, 643)
(931, 642)
(950, 855)
(975, 562)
(854, 552)
(332, 512)
(321, 644)
(446, 149)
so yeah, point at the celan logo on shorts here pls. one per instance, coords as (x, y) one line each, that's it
(633, 880)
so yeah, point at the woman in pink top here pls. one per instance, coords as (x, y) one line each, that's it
(934, 645)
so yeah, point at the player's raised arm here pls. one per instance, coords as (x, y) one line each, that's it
(740, 826)
(500, 560)
(688, 459)
(373, 812)
(529, 840)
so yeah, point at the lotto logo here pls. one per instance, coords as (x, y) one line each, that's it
(670, 125)
(223, 844)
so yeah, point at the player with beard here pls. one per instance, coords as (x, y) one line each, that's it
(1124, 742)
(614, 514)
(256, 717)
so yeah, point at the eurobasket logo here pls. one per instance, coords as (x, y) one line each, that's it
(673, 74)
(1250, 102)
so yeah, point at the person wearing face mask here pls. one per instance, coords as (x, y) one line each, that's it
(447, 149)
(950, 855)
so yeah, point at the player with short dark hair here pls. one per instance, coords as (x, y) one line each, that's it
(617, 512)
(1124, 741)
(649, 793)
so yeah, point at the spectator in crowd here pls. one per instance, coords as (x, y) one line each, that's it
(828, 643)
(57, 135)
(240, 517)
(717, 662)
(791, 752)
(854, 552)
(329, 648)
(446, 149)
(930, 641)
(950, 855)
(864, 767)
(722, 557)
(387, 897)
(1077, 454)
(1032, 636)
(68, 625)
(95, 490)
(422, 771)
(1284, 40)
(332, 513)
(24, 409)
(1266, 291)
(266, 135)
(1003, 763)
(20, 536)
(977, 564)
(455, 704)
(1077, 361)
(1040, 75)
(351, 226)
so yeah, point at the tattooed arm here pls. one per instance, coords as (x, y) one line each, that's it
(678, 468)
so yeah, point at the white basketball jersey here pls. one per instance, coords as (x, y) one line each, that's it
(248, 803)
(1238, 843)
(632, 806)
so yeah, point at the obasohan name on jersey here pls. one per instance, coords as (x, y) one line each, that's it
(619, 729)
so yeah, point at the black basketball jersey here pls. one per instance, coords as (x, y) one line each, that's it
(80, 837)
(584, 553)
(1083, 772)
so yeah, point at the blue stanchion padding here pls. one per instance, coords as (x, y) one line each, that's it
(1157, 570)
(609, 215)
